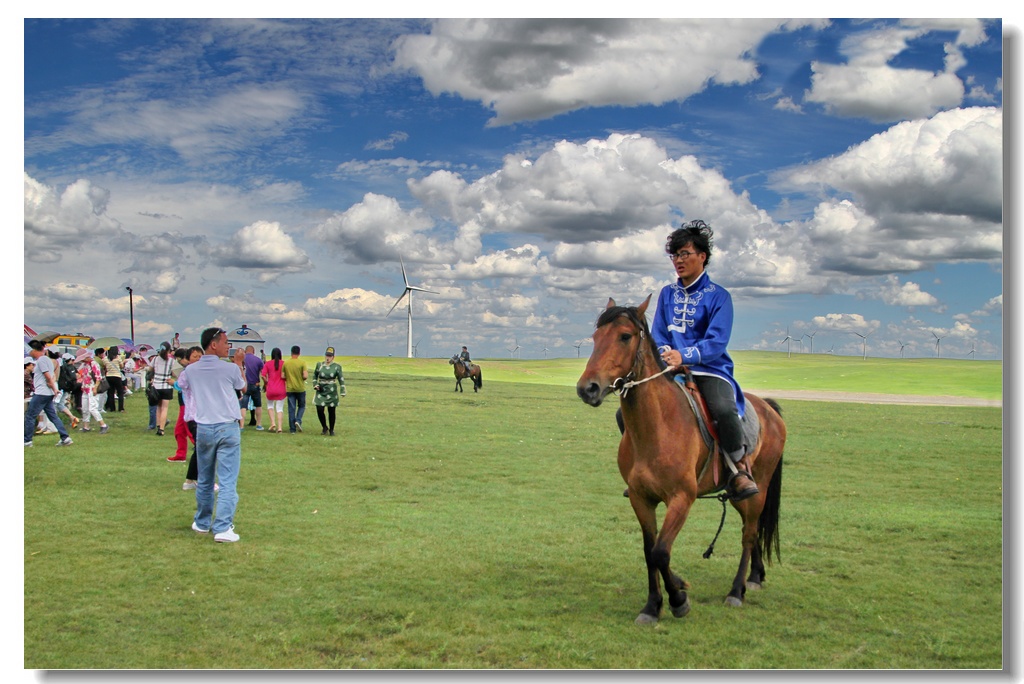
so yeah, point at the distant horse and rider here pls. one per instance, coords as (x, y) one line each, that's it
(664, 457)
(465, 368)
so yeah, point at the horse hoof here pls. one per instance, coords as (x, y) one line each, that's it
(681, 611)
(643, 619)
(753, 586)
(733, 602)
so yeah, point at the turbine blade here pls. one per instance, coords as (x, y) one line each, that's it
(404, 277)
(397, 301)
(420, 289)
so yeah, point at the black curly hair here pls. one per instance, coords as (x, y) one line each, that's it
(696, 233)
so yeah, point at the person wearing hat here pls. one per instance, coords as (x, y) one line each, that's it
(44, 389)
(60, 402)
(466, 361)
(329, 385)
(89, 376)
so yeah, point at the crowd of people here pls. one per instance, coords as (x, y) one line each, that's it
(216, 401)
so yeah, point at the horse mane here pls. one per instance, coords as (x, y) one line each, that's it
(631, 312)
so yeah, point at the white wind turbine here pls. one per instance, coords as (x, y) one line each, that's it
(811, 337)
(937, 340)
(788, 340)
(865, 339)
(408, 291)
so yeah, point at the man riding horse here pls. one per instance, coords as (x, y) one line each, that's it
(692, 326)
(464, 357)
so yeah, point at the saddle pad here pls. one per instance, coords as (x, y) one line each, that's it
(750, 421)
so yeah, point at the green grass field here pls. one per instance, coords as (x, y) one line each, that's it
(769, 370)
(442, 530)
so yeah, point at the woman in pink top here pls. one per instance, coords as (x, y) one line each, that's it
(274, 386)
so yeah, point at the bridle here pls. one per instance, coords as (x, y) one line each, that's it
(622, 385)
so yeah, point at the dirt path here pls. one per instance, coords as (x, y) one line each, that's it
(869, 398)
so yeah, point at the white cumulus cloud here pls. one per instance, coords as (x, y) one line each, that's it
(526, 69)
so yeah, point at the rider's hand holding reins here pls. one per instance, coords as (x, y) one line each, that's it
(672, 358)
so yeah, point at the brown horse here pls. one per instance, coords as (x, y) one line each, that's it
(460, 372)
(662, 457)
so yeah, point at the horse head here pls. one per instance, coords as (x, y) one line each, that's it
(619, 336)
(453, 360)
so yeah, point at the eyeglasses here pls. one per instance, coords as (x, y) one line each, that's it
(679, 256)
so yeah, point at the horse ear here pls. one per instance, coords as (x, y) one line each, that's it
(642, 309)
(611, 303)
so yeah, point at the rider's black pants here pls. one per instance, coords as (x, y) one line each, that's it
(721, 400)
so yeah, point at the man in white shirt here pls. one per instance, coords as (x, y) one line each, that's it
(44, 389)
(215, 387)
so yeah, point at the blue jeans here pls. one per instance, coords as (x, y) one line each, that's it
(296, 407)
(218, 452)
(42, 403)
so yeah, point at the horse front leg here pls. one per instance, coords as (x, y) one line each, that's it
(649, 527)
(675, 516)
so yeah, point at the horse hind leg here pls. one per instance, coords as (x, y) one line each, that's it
(756, 576)
(739, 586)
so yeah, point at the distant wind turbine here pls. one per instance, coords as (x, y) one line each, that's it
(408, 291)
(811, 336)
(865, 338)
(971, 354)
(788, 340)
(415, 346)
(832, 349)
(545, 351)
(937, 340)
(902, 345)
(512, 350)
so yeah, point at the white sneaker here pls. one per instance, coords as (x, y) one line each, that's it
(28, 444)
(188, 484)
(65, 442)
(227, 535)
(197, 528)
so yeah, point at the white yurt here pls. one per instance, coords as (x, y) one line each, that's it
(240, 338)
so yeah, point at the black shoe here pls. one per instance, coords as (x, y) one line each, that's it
(323, 433)
(332, 433)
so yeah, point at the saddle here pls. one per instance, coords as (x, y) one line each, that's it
(708, 429)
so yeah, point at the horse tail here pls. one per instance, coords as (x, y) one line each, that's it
(768, 523)
(479, 377)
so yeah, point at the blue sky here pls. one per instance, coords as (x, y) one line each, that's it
(272, 173)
